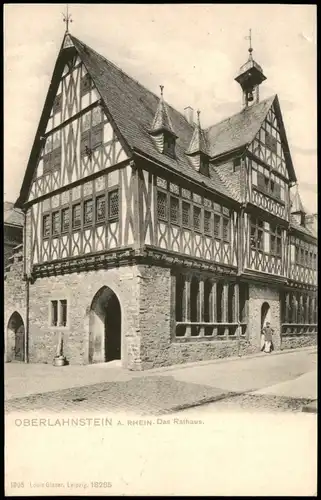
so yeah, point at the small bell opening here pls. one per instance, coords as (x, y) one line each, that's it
(250, 97)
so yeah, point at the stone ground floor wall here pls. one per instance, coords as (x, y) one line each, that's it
(79, 289)
(159, 347)
(294, 342)
(14, 302)
(145, 294)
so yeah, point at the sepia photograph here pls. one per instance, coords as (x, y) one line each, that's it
(160, 249)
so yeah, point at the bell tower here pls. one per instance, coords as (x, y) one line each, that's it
(250, 77)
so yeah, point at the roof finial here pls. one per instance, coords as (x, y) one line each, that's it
(198, 118)
(250, 40)
(161, 89)
(67, 19)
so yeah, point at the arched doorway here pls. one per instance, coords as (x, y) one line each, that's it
(16, 330)
(265, 314)
(104, 327)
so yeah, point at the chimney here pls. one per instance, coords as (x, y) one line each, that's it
(189, 114)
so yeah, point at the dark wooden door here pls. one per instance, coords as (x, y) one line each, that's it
(20, 343)
(113, 330)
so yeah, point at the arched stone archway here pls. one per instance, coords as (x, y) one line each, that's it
(265, 314)
(16, 330)
(104, 327)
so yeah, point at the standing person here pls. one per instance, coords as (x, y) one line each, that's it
(268, 332)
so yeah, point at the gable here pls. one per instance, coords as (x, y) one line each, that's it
(75, 137)
(270, 144)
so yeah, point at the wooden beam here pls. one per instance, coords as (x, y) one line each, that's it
(187, 308)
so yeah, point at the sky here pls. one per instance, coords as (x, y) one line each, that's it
(194, 50)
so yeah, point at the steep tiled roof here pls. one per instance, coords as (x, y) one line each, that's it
(296, 202)
(133, 109)
(302, 229)
(239, 129)
(12, 216)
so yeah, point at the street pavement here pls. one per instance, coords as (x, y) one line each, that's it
(275, 382)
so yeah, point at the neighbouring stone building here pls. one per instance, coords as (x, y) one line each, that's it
(12, 230)
(150, 239)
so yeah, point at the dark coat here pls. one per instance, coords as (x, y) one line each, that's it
(267, 332)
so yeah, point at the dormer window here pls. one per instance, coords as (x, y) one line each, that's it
(169, 145)
(237, 164)
(204, 165)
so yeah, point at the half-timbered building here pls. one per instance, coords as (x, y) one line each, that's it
(150, 239)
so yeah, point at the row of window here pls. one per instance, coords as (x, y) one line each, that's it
(267, 181)
(215, 306)
(257, 240)
(91, 138)
(298, 309)
(171, 209)
(86, 84)
(305, 258)
(90, 211)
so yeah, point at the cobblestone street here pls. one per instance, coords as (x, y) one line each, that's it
(284, 382)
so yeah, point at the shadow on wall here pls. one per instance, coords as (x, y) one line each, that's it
(104, 327)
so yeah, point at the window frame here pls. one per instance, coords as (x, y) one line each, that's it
(113, 218)
(75, 205)
(178, 219)
(65, 210)
(197, 208)
(45, 215)
(86, 201)
(275, 239)
(97, 198)
(187, 225)
(59, 303)
(258, 227)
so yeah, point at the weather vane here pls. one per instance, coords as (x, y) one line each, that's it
(67, 19)
(249, 37)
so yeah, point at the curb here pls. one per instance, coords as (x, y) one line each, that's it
(200, 402)
(219, 360)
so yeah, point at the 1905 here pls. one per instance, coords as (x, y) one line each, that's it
(17, 484)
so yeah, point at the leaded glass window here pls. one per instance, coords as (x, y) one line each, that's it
(65, 219)
(100, 208)
(113, 204)
(76, 212)
(186, 214)
(162, 205)
(257, 236)
(271, 142)
(88, 211)
(226, 229)
(217, 226)
(86, 84)
(207, 222)
(174, 209)
(197, 218)
(55, 223)
(46, 225)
